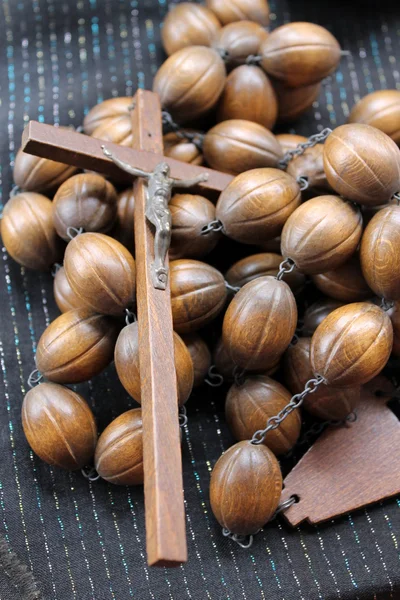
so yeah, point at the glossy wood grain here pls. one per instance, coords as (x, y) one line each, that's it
(240, 40)
(190, 82)
(380, 109)
(316, 313)
(198, 294)
(300, 54)
(295, 102)
(119, 451)
(65, 298)
(76, 346)
(34, 174)
(236, 146)
(362, 164)
(201, 357)
(249, 406)
(188, 24)
(59, 426)
(229, 11)
(256, 205)
(101, 272)
(228, 369)
(352, 345)
(260, 323)
(181, 149)
(322, 234)
(28, 233)
(245, 488)
(110, 116)
(124, 226)
(248, 94)
(310, 165)
(346, 283)
(290, 141)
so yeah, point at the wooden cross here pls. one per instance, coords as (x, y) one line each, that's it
(163, 484)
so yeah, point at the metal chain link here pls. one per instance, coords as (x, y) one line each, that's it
(169, 124)
(386, 304)
(232, 288)
(396, 197)
(286, 267)
(295, 402)
(244, 541)
(212, 226)
(312, 141)
(90, 473)
(73, 232)
(253, 60)
(303, 183)
(130, 317)
(214, 379)
(34, 378)
(183, 418)
(239, 376)
(15, 191)
(55, 268)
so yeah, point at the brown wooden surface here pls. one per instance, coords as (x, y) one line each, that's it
(85, 152)
(380, 109)
(163, 485)
(349, 467)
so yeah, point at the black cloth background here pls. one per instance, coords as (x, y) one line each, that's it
(87, 541)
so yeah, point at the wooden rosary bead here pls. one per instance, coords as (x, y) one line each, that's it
(124, 227)
(190, 215)
(380, 109)
(59, 426)
(248, 94)
(111, 120)
(352, 345)
(86, 200)
(300, 54)
(201, 357)
(322, 234)
(230, 11)
(256, 205)
(394, 314)
(236, 146)
(290, 141)
(181, 149)
(28, 232)
(316, 313)
(126, 357)
(310, 165)
(346, 283)
(198, 294)
(101, 272)
(245, 488)
(227, 368)
(35, 174)
(380, 253)
(64, 296)
(76, 346)
(260, 265)
(119, 451)
(249, 406)
(240, 40)
(362, 164)
(190, 82)
(294, 102)
(189, 24)
(260, 323)
(326, 403)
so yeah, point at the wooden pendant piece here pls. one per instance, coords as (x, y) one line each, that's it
(349, 467)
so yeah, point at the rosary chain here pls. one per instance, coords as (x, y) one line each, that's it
(34, 378)
(55, 268)
(214, 379)
(232, 288)
(130, 317)
(286, 267)
(312, 141)
(253, 60)
(169, 123)
(212, 226)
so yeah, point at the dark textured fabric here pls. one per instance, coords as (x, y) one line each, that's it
(86, 541)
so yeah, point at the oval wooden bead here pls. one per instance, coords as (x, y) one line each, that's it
(126, 358)
(380, 109)
(316, 313)
(362, 164)
(110, 114)
(201, 357)
(86, 200)
(249, 406)
(394, 315)
(294, 102)
(190, 82)
(310, 165)
(260, 323)
(322, 234)
(101, 272)
(248, 94)
(35, 174)
(188, 24)
(300, 54)
(290, 141)
(119, 451)
(59, 426)
(352, 345)
(64, 296)
(260, 265)
(240, 40)
(76, 346)
(28, 232)
(124, 226)
(256, 205)
(198, 294)
(380, 253)
(190, 215)
(230, 11)
(346, 283)
(182, 150)
(245, 488)
(227, 368)
(326, 403)
(235, 146)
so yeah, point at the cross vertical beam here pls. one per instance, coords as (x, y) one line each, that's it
(163, 485)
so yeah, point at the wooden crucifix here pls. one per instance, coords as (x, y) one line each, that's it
(163, 485)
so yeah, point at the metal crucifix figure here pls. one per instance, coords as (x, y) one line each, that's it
(159, 192)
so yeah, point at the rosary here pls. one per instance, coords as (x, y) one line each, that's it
(133, 286)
